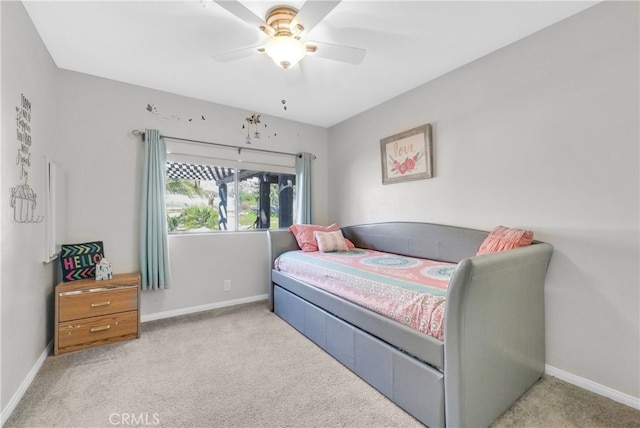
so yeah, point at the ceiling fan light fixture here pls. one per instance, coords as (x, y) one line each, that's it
(285, 50)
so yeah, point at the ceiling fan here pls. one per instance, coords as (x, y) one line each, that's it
(286, 27)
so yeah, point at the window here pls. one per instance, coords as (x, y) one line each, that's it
(204, 197)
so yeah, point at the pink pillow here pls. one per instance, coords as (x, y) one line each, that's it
(330, 241)
(306, 240)
(503, 238)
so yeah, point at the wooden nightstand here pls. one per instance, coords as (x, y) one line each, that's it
(91, 313)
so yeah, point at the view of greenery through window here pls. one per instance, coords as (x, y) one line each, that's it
(262, 200)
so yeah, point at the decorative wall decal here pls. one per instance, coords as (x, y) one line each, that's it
(254, 120)
(23, 201)
(153, 110)
(78, 261)
(23, 198)
(174, 117)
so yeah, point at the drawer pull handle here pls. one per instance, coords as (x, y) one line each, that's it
(97, 305)
(101, 328)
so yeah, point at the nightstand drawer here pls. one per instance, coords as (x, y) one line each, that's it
(87, 304)
(84, 332)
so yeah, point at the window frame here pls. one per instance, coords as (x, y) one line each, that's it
(237, 167)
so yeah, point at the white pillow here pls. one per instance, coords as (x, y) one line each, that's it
(330, 241)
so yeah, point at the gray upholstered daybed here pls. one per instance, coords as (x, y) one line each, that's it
(494, 341)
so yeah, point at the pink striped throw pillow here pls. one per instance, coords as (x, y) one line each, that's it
(330, 241)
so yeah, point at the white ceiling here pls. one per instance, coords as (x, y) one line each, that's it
(168, 45)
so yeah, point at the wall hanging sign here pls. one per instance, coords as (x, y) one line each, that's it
(407, 155)
(23, 198)
(79, 261)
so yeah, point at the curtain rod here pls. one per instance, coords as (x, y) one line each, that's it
(139, 133)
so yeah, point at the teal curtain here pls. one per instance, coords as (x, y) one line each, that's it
(304, 211)
(154, 254)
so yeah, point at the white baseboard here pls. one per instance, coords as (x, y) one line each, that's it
(194, 309)
(596, 388)
(13, 403)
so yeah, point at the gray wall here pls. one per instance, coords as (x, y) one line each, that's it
(542, 134)
(27, 283)
(104, 166)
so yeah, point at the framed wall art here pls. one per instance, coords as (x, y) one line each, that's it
(407, 155)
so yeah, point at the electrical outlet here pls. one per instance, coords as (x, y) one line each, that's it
(227, 285)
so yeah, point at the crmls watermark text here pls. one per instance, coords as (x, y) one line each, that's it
(134, 419)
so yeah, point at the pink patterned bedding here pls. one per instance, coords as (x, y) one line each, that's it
(408, 290)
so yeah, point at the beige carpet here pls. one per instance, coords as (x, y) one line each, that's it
(245, 367)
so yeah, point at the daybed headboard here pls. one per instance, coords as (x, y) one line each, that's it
(423, 240)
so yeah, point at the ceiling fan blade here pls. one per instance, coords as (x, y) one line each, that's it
(337, 52)
(237, 54)
(241, 11)
(311, 13)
